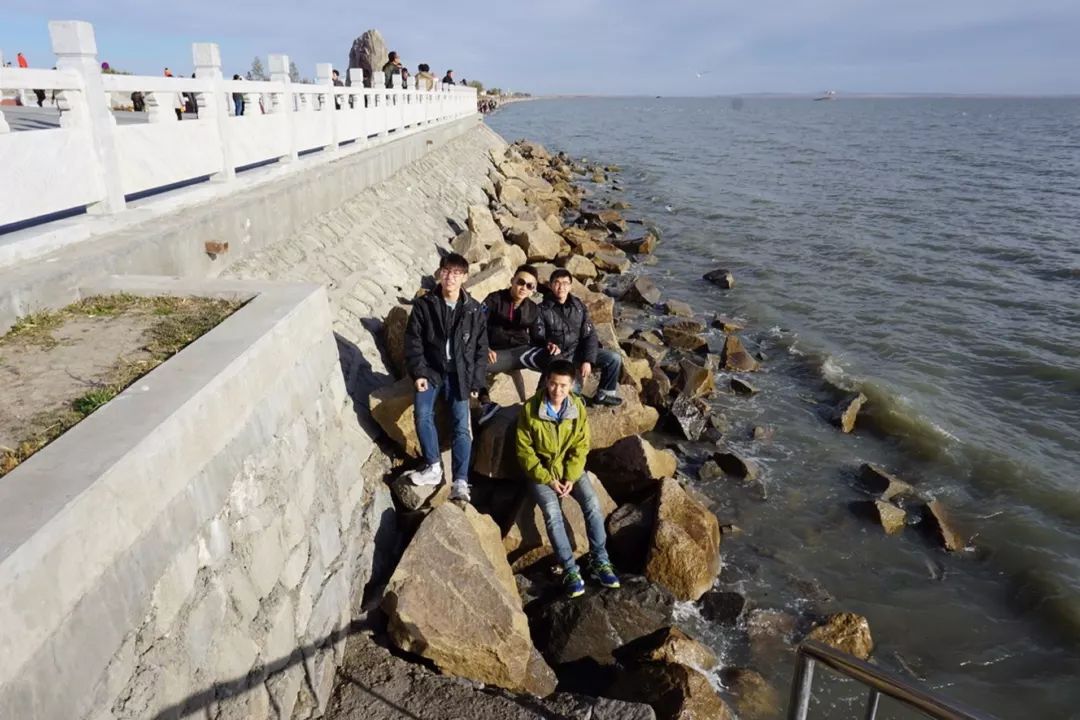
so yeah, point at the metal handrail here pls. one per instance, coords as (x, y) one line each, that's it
(879, 681)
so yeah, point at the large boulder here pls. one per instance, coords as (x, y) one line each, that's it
(734, 464)
(526, 542)
(634, 370)
(642, 349)
(514, 387)
(846, 632)
(580, 267)
(611, 261)
(601, 307)
(936, 522)
(878, 481)
(689, 416)
(722, 606)
(394, 337)
(675, 692)
(482, 225)
(721, 277)
(667, 645)
(695, 379)
(656, 389)
(642, 291)
(495, 276)
(515, 256)
(684, 555)
(735, 357)
(592, 627)
(639, 246)
(682, 339)
(632, 467)
(369, 53)
(892, 519)
(537, 240)
(469, 246)
(391, 407)
(629, 530)
(493, 451)
(608, 425)
(478, 630)
(755, 698)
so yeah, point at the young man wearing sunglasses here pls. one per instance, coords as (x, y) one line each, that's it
(514, 342)
(446, 353)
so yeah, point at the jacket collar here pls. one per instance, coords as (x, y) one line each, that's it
(544, 414)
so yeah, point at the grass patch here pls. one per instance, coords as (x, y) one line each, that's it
(175, 322)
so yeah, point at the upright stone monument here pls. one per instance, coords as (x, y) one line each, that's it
(369, 53)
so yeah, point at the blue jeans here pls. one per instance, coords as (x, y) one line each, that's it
(238, 106)
(609, 364)
(426, 432)
(548, 500)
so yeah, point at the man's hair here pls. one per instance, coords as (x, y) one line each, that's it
(527, 269)
(561, 367)
(453, 260)
(424, 67)
(334, 72)
(393, 55)
(559, 275)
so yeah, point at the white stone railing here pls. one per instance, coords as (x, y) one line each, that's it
(92, 161)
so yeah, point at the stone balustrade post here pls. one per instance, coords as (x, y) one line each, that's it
(4, 127)
(283, 102)
(75, 47)
(213, 105)
(356, 80)
(324, 76)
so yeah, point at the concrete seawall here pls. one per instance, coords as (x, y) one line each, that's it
(199, 545)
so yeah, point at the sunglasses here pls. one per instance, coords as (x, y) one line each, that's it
(521, 282)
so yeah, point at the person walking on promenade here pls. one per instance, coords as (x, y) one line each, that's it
(335, 79)
(238, 99)
(391, 68)
(569, 333)
(551, 443)
(446, 348)
(448, 78)
(424, 79)
(21, 60)
(178, 100)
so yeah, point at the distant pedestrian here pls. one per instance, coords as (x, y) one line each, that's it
(335, 78)
(178, 100)
(391, 68)
(22, 60)
(238, 100)
(424, 79)
(448, 79)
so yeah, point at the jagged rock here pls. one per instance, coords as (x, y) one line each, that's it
(493, 451)
(369, 53)
(684, 324)
(532, 150)
(695, 380)
(667, 645)
(681, 340)
(675, 692)
(608, 425)
(512, 196)
(689, 415)
(601, 307)
(891, 518)
(643, 291)
(621, 205)
(710, 471)
(593, 626)
(735, 357)
(416, 497)
(629, 529)
(632, 466)
(580, 267)
(581, 241)
(583, 707)
(514, 387)
(848, 411)
(553, 222)
(728, 325)
(611, 261)
(754, 697)
(543, 272)
(876, 480)
(609, 220)
(515, 256)
(656, 389)
(733, 464)
(762, 434)
(936, 520)
(645, 350)
(537, 240)
(482, 225)
(392, 408)
(605, 333)
(634, 370)
(846, 632)
(770, 634)
(469, 245)
(643, 245)
(678, 308)
(394, 337)
(718, 422)
(650, 337)
(722, 606)
(461, 549)
(720, 277)
(741, 387)
(495, 276)
(684, 554)
(526, 542)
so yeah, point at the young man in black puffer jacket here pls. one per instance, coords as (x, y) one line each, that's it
(446, 353)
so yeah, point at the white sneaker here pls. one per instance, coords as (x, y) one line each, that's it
(460, 491)
(430, 475)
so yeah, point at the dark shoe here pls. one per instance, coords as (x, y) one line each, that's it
(575, 586)
(605, 575)
(607, 400)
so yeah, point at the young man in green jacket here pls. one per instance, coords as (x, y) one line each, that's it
(552, 442)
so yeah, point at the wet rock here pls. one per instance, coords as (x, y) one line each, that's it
(710, 471)
(580, 267)
(684, 554)
(639, 348)
(493, 448)
(936, 521)
(621, 205)
(629, 529)
(770, 633)
(632, 467)
(727, 324)
(643, 245)
(537, 240)
(846, 632)
(681, 340)
(718, 422)
(593, 626)
(689, 415)
(733, 464)
(686, 325)
(394, 337)
(741, 387)
(678, 308)
(734, 356)
(720, 277)
(675, 692)
(762, 433)
(890, 517)
(848, 411)
(656, 389)
(608, 425)
(461, 549)
(722, 606)
(667, 645)
(611, 261)
(526, 542)
(877, 481)
(695, 380)
(642, 291)
(754, 697)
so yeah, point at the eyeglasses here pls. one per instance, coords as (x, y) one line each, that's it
(453, 272)
(522, 282)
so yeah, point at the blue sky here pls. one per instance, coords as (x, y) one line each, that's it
(608, 46)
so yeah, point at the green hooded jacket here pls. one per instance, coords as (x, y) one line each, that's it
(550, 449)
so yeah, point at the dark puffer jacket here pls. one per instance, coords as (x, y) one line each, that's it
(430, 325)
(568, 326)
(509, 328)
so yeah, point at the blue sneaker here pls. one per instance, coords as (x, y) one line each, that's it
(605, 575)
(575, 586)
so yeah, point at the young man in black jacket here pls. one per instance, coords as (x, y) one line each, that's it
(570, 335)
(446, 353)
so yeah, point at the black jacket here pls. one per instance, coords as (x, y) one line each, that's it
(430, 325)
(568, 326)
(506, 330)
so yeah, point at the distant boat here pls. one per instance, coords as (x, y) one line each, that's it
(829, 95)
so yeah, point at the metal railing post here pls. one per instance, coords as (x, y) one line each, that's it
(801, 685)
(872, 704)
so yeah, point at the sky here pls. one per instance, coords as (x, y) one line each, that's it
(616, 47)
